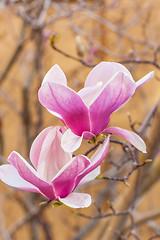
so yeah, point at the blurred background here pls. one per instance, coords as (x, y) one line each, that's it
(76, 35)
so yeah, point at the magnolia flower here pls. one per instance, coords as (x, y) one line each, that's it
(55, 174)
(87, 113)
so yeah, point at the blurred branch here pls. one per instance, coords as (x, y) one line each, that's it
(3, 229)
(155, 236)
(26, 117)
(147, 121)
(9, 101)
(36, 68)
(27, 204)
(144, 217)
(39, 71)
(141, 61)
(46, 227)
(15, 54)
(43, 13)
(123, 201)
(32, 213)
(1, 137)
(117, 29)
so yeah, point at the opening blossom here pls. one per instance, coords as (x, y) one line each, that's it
(55, 173)
(87, 113)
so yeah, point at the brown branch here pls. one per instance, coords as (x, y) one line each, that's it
(1, 137)
(27, 204)
(38, 66)
(27, 118)
(34, 212)
(72, 57)
(15, 54)
(7, 98)
(3, 230)
(101, 216)
(141, 61)
(144, 217)
(125, 178)
(125, 199)
(147, 122)
(46, 226)
(155, 236)
(122, 143)
(119, 31)
(137, 61)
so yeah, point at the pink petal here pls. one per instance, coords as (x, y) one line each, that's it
(116, 93)
(68, 104)
(131, 137)
(88, 135)
(28, 173)
(10, 176)
(77, 200)
(55, 74)
(91, 176)
(145, 79)
(64, 182)
(52, 157)
(96, 159)
(104, 71)
(139, 83)
(37, 146)
(100, 154)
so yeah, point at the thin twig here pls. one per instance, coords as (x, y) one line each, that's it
(72, 57)
(125, 178)
(100, 216)
(141, 61)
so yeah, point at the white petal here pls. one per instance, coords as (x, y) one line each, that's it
(10, 176)
(70, 142)
(77, 200)
(91, 176)
(145, 79)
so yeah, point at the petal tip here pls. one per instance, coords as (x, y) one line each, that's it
(144, 151)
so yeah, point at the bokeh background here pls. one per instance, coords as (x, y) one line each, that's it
(83, 33)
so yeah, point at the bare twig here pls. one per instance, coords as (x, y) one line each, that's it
(72, 57)
(125, 178)
(141, 61)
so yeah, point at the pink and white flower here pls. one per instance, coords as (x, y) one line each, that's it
(87, 113)
(55, 173)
